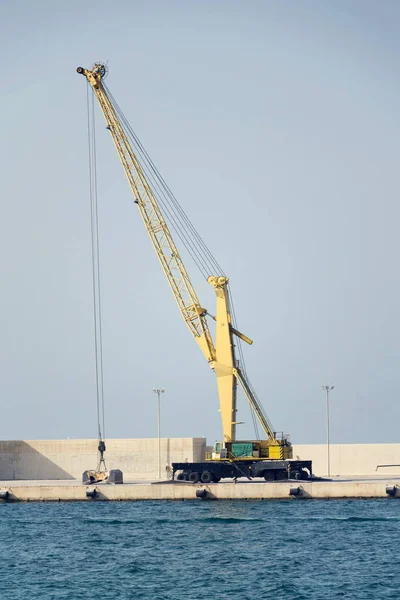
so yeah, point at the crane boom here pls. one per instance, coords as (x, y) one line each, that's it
(157, 228)
(221, 356)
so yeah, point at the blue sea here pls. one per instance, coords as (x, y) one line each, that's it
(284, 549)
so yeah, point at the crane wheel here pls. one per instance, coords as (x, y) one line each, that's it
(194, 477)
(216, 479)
(206, 477)
(281, 475)
(269, 476)
(181, 477)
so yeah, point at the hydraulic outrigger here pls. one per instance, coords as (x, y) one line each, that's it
(269, 458)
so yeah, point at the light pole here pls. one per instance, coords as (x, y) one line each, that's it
(327, 389)
(159, 391)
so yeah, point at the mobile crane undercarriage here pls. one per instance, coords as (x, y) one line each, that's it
(268, 458)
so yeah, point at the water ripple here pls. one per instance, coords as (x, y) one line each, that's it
(198, 550)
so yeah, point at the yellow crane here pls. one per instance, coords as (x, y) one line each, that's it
(221, 354)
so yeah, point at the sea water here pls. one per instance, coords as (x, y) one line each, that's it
(278, 549)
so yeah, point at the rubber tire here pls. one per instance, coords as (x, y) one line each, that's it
(269, 476)
(206, 477)
(280, 475)
(216, 479)
(194, 477)
(181, 477)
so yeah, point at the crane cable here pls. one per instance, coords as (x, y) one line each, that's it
(95, 259)
(174, 213)
(180, 222)
(167, 199)
(242, 365)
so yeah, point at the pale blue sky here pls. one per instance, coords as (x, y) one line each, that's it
(276, 125)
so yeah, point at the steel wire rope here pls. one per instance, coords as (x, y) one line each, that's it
(98, 269)
(197, 242)
(168, 194)
(243, 364)
(151, 164)
(260, 405)
(168, 210)
(244, 370)
(94, 229)
(193, 252)
(154, 175)
(170, 216)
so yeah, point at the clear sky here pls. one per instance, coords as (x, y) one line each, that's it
(276, 125)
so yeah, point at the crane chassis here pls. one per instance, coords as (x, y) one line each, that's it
(270, 470)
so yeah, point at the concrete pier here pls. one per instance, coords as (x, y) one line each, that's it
(51, 470)
(29, 491)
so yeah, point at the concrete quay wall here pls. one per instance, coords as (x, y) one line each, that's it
(68, 459)
(221, 491)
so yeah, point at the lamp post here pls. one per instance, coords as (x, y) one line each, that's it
(159, 391)
(327, 389)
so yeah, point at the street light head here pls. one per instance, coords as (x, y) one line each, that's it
(327, 388)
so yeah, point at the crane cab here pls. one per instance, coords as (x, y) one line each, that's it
(278, 449)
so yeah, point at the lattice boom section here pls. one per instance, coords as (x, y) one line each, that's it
(156, 226)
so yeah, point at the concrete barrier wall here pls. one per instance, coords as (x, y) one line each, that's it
(138, 458)
(348, 459)
(351, 459)
(68, 459)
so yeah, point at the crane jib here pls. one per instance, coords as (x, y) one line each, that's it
(221, 355)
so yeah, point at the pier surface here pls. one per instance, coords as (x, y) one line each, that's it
(69, 490)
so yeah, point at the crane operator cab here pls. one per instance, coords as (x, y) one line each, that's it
(278, 449)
